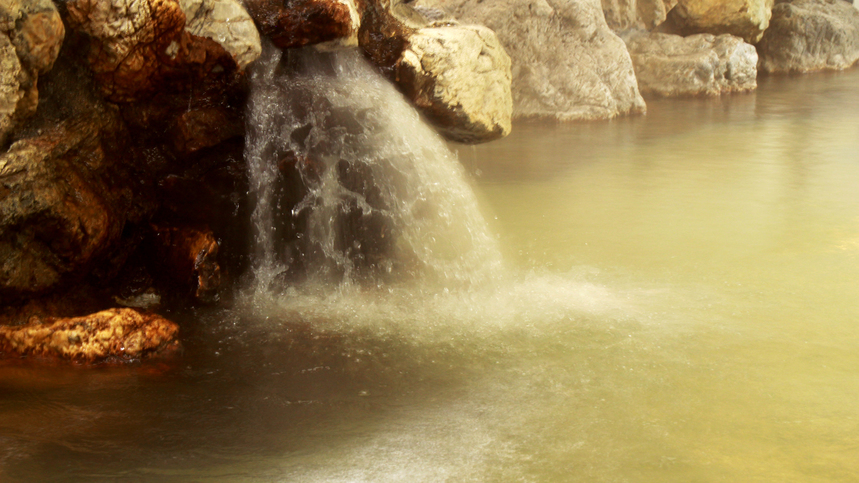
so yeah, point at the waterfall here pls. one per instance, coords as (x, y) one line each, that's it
(351, 187)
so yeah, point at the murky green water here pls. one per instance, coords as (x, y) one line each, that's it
(681, 304)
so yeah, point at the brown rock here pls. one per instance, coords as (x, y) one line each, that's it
(746, 19)
(189, 257)
(305, 22)
(196, 129)
(110, 334)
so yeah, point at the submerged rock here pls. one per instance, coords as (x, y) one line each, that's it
(458, 76)
(566, 62)
(810, 35)
(120, 333)
(746, 19)
(31, 34)
(703, 64)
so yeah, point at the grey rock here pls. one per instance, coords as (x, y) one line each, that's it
(227, 23)
(810, 35)
(703, 64)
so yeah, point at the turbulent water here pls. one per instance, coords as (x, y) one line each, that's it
(677, 303)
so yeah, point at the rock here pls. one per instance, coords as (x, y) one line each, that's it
(459, 77)
(810, 35)
(622, 15)
(121, 333)
(31, 34)
(566, 63)
(196, 129)
(703, 64)
(138, 47)
(746, 19)
(226, 22)
(306, 22)
(189, 258)
(65, 201)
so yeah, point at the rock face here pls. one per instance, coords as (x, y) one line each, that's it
(746, 19)
(306, 22)
(114, 333)
(566, 63)
(31, 34)
(140, 46)
(458, 76)
(190, 258)
(624, 15)
(810, 35)
(703, 64)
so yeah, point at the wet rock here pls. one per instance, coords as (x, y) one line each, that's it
(703, 64)
(624, 15)
(810, 35)
(306, 22)
(566, 62)
(746, 19)
(65, 203)
(121, 333)
(189, 258)
(196, 129)
(458, 76)
(31, 34)
(142, 46)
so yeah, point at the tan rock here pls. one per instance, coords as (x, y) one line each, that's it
(114, 333)
(306, 22)
(227, 23)
(746, 19)
(566, 63)
(703, 64)
(624, 15)
(810, 35)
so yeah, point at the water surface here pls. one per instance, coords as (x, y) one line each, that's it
(679, 303)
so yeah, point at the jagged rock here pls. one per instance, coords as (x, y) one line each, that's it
(31, 34)
(458, 76)
(566, 63)
(121, 333)
(189, 258)
(746, 19)
(140, 46)
(810, 35)
(64, 203)
(306, 22)
(703, 64)
(624, 15)
(196, 129)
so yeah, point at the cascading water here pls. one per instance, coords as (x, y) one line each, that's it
(351, 187)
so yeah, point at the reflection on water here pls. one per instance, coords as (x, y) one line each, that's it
(679, 306)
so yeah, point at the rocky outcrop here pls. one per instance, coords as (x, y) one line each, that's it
(810, 35)
(622, 15)
(703, 64)
(746, 19)
(566, 63)
(306, 22)
(141, 46)
(31, 34)
(120, 334)
(458, 76)
(189, 259)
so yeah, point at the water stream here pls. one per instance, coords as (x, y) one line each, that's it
(676, 303)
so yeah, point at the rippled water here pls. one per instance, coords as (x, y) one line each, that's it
(679, 304)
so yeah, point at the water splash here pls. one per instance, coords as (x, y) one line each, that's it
(352, 189)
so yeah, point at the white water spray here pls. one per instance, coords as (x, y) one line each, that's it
(351, 187)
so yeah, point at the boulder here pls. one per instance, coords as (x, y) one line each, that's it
(31, 34)
(306, 22)
(566, 62)
(116, 334)
(622, 15)
(189, 260)
(703, 64)
(458, 76)
(139, 47)
(810, 35)
(746, 19)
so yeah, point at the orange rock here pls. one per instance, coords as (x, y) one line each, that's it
(121, 333)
